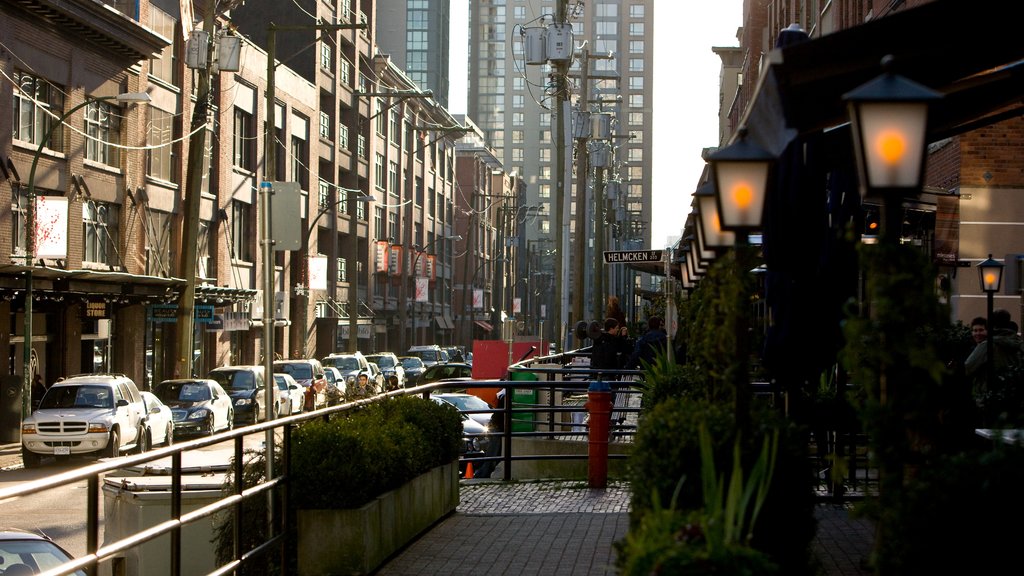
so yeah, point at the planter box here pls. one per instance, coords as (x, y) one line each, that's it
(358, 541)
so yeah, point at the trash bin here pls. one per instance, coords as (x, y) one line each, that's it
(523, 398)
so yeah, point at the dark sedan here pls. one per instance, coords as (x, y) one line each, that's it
(449, 371)
(199, 406)
(414, 368)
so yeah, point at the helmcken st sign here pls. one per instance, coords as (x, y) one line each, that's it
(632, 256)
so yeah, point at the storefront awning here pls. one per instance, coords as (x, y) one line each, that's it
(485, 325)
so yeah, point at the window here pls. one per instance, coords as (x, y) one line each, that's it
(517, 136)
(103, 128)
(636, 100)
(419, 191)
(607, 10)
(519, 12)
(518, 101)
(431, 204)
(544, 191)
(545, 136)
(300, 162)
(160, 159)
(636, 64)
(518, 119)
(163, 24)
(30, 123)
(342, 270)
(379, 117)
(545, 172)
(636, 10)
(636, 137)
(343, 136)
(636, 82)
(378, 223)
(607, 28)
(636, 118)
(242, 141)
(241, 231)
(636, 28)
(636, 155)
(327, 56)
(519, 83)
(545, 154)
(325, 125)
(636, 46)
(323, 194)
(393, 228)
(204, 257)
(158, 244)
(393, 177)
(517, 154)
(100, 230)
(378, 172)
(19, 205)
(361, 146)
(346, 73)
(395, 129)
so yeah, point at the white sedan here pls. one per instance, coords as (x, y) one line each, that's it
(290, 393)
(159, 422)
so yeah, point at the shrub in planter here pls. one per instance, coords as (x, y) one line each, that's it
(348, 461)
(667, 449)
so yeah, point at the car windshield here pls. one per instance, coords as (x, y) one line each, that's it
(467, 402)
(297, 371)
(383, 361)
(282, 384)
(412, 363)
(345, 363)
(331, 376)
(77, 397)
(235, 379)
(425, 354)
(184, 391)
(18, 556)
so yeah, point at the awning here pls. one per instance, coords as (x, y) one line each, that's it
(486, 326)
(444, 322)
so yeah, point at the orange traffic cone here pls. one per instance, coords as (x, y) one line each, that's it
(469, 471)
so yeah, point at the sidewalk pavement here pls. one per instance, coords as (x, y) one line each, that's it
(564, 527)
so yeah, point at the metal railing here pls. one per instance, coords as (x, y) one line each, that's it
(542, 415)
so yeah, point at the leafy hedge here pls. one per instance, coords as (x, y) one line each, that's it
(350, 461)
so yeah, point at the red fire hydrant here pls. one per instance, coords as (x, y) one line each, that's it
(599, 411)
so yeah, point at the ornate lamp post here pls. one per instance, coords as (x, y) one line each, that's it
(739, 173)
(990, 274)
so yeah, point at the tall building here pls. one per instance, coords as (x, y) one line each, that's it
(415, 34)
(512, 101)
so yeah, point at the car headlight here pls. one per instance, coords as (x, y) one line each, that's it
(98, 427)
(28, 428)
(200, 414)
(243, 401)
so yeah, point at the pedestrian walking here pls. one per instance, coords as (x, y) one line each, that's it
(653, 342)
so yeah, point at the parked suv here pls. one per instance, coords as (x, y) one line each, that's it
(394, 372)
(308, 373)
(245, 385)
(101, 414)
(430, 354)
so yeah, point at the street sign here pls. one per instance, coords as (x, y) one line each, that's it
(622, 256)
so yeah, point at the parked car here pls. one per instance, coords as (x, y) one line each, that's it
(23, 553)
(101, 414)
(159, 422)
(199, 406)
(430, 354)
(467, 402)
(454, 371)
(414, 368)
(308, 373)
(350, 365)
(245, 385)
(291, 390)
(394, 373)
(454, 354)
(474, 439)
(335, 386)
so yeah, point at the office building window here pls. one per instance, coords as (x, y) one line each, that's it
(327, 56)
(378, 172)
(518, 101)
(544, 191)
(243, 139)
(323, 195)
(164, 66)
(346, 73)
(517, 155)
(378, 222)
(636, 137)
(103, 131)
(636, 82)
(636, 28)
(606, 28)
(636, 46)
(545, 172)
(361, 146)
(393, 178)
(635, 155)
(636, 100)
(636, 64)
(325, 125)
(636, 10)
(518, 119)
(242, 231)
(100, 227)
(343, 136)
(19, 206)
(545, 154)
(31, 123)
(517, 136)
(636, 118)
(158, 243)
(300, 162)
(160, 159)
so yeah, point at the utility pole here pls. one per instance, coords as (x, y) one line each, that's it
(561, 73)
(599, 231)
(582, 170)
(193, 196)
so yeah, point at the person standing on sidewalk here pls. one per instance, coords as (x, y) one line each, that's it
(648, 346)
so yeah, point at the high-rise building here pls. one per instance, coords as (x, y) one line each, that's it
(415, 33)
(513, 103)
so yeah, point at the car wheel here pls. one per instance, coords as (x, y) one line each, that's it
(113, 449)
(169, 437)
(144, 441)
(256, 411)
(231, 420)
(30, 459)
(211, 425)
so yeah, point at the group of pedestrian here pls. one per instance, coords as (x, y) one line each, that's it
(997, 383)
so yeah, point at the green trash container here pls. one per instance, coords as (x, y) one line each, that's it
(523, 398)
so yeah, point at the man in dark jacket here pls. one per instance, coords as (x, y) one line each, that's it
(611, 348)
(648, 346)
